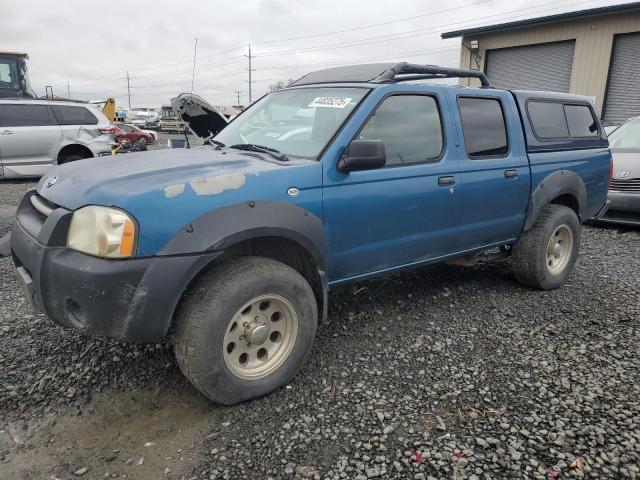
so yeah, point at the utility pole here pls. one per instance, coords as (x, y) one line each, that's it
(238, 92)
(193, 72)
(128, 90)
(68, 91)
(250, 70)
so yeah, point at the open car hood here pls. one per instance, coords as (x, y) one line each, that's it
(195, 112)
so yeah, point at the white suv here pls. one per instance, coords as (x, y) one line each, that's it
(35, 134)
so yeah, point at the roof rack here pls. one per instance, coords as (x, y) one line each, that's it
(387, 73)
(404, 72)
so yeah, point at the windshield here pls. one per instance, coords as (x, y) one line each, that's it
(167, 112)
(297, 122)
(626, 136)
(8, 74)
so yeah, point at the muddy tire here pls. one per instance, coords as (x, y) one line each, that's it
(245, 329)
(544, 256)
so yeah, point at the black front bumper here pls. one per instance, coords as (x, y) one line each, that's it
(131, 299)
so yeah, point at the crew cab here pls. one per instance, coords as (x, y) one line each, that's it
(346, 174)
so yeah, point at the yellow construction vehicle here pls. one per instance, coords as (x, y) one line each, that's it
(109, 109)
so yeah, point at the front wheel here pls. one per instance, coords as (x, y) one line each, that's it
(544, 256)
(245, 329)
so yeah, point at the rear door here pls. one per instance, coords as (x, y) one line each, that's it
(29, 137)
(494, 168)
(406, 212)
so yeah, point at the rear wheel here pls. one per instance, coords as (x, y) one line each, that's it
(245, 329)
(544, 256)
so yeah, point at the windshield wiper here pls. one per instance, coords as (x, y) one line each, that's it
(252, 147)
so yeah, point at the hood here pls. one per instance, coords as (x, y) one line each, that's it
(164, 190)
(116, 179)
(195, 112)
(626, 164)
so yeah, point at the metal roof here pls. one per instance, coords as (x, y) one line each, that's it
(625, 7)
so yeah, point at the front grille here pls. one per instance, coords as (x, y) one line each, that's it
(33, 212)
(631, 185)
(43, 206)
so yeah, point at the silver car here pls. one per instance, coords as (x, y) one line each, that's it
(35, 134)
(624, 192)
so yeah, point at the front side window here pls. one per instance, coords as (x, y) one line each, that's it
(24, 115)
(626, 137)
(410, 128)
(297, 122)
(483, 126)
(67, 115)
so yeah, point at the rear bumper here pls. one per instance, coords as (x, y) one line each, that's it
(621, 207)
(130, 299)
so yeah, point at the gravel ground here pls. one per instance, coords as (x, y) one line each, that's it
(446, 372)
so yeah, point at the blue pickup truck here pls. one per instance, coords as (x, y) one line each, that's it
(348, 173)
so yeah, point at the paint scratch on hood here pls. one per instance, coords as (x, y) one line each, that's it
(173, 191)
(217, 185)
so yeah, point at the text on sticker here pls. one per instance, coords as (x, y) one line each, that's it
(329, 102)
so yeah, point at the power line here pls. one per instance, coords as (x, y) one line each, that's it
(372, 25)
(361, 59)
(187, 62)
(329, 46)
(406, 34)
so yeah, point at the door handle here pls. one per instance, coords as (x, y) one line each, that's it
(6, 132)
(510, 173)
(446, 181)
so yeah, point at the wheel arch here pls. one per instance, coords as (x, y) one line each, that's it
(73, 149)
(276, 230)
(563, 187)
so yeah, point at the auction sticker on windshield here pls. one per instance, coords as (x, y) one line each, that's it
(330, 102)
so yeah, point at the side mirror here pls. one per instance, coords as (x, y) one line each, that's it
(363, 155)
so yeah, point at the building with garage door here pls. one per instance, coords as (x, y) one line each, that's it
(593, 52)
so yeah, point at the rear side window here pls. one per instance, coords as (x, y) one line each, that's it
(580, 120)
(484, 128)
(548, 120)
(555, 120)
(24, 115)
(410, 128)
(67, 115)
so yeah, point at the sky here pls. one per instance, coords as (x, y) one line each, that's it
(91, 45)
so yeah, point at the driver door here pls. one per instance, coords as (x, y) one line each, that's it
(406, 212)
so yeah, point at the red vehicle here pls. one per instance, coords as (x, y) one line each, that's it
(131, 133)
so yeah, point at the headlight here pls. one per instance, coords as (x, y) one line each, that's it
(102, 232)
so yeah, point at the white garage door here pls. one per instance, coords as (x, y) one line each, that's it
(546, 66)
(622, 100)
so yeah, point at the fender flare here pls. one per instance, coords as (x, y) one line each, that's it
(561, 182)
(223, 227)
